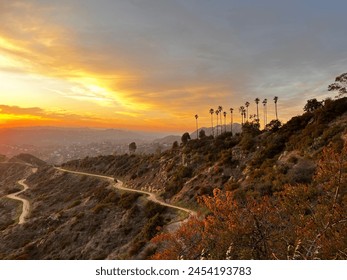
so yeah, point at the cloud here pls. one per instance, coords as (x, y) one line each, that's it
(15, 110)
(172, 59)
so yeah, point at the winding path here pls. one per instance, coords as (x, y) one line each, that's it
(119, 185)
(26, 204)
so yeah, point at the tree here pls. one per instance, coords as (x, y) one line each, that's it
(265, 112)
(225, 121)
(185, 138)
(231, 120)
(275, 100)
(132, 147)
(273, 126)
(247, 105)
(202, 134)
(175, 145)
(220, 109)
(257, 102)
(217, 112)
(242, 112)
(312, 105)
(197, 127)
(212, 112)
(340, 85)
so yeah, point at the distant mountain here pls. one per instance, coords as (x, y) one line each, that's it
(168, 140)
(208, 130)
(45, 136)
(27, 158)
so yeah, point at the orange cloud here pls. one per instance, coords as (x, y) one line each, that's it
(115, 75)
(14, 116)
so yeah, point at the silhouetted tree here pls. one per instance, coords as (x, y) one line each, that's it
(247, 105)
(275, 100)
(257, 102)
(175, 145)
(197, 127)
(220, 108)
(312, 105)
(241, 110)
(340, 85)
(217, 113)
(225, 121)
(132, 147)
(231, 120)
(273, 126)
(185, 138)
(212, 112)
(265, 112)
(202, 134)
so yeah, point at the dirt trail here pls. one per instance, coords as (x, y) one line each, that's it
(119, 185)
(26, 204)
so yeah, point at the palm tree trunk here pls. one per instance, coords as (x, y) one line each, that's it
(212, 125)
(217, 127)
(231, 123)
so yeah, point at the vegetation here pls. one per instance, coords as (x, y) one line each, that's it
(132, 147)
(303, 221)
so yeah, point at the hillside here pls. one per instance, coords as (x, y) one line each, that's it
(261, 160)
(28, 159)
(279, 193)
(80, 217)
(251, 165)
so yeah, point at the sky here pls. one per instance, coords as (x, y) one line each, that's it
(153, 65)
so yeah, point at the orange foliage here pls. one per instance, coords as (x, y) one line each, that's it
(185, 243)
(305, 221)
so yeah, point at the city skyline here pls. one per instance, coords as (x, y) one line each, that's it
(152, 65)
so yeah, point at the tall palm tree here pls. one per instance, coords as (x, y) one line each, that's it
(217, 112)
(197, 127)
(225, 121)
(242, 110)
(231, 120)
(212, 112)
(257, 102)
(275, 100)
(247, 105)
(265, 112)
(220, 108)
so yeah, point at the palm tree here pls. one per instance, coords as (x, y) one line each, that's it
(242, 110)
(257, 102)
(211, 112)
(197, 127)
(225, 121)
(217, 112)
(231, 120)
(247, 104)
(265, 112)
(220, 108)
(275, 100)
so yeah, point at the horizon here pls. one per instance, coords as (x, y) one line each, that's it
(151, 67)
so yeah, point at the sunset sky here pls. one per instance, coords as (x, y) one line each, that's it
(153, 64)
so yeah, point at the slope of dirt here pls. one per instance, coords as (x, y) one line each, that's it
(80, 217)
